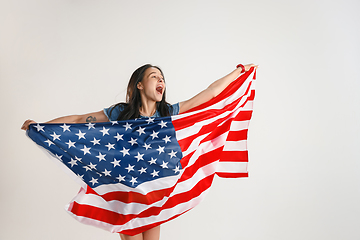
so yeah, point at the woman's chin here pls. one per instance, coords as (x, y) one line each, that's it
(159, 98)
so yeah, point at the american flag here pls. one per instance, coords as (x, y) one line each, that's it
(137, 174)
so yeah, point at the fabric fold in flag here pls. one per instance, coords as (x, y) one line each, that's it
(140, 173)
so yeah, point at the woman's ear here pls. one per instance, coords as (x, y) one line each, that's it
(139, 86)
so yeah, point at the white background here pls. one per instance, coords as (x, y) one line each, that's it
(75, 56)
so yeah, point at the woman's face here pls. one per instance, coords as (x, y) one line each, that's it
(152, 86)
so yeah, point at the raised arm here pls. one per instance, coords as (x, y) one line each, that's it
(84, 118)
(213, 90)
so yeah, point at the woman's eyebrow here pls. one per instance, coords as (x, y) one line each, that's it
(151, 73)
(155, 73)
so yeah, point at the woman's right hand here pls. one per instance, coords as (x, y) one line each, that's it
(26, 124)
(248, 66)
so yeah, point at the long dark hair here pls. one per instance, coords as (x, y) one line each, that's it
(133, 98)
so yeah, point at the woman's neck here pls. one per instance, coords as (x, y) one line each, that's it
(148, 109)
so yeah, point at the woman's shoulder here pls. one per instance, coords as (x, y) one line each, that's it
(114, 111)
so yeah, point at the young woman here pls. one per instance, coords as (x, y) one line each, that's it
(146, 98)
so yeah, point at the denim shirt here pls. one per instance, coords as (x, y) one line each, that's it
(118, 109)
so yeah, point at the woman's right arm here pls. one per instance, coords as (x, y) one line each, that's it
(84, 118)
(213, 90)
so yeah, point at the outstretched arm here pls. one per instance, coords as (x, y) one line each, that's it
(84, 118)
(213, 90)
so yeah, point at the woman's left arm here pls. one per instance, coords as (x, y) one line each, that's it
(213, 90)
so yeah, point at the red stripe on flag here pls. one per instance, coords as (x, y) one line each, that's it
(135, 197)
(232, 175)
(237, 135)
(243, 116)
(252, 95)
(234, 156)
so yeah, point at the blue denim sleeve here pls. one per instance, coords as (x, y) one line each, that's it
(114, 113)
(176, 109)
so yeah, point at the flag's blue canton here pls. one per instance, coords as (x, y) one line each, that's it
(128, 152)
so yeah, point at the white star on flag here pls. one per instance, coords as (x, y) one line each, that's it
(94, 181)
(106, 173)
(172, 154)
(164, 164)
(141, 131)
(86, 150)
(150, 120)
(162, 124)
(95, 141)
(160, 149)
(55, 136)
(73, 162)
(130, 168)
(127, 126)
(49, 142)
(152, 161)
(133, 180)
(155, 173)
(90, 125)
(59, 157)
(81, 135)
(65, 127)
(39, 128)
(132, 141)
(110, 146)
(139, 157)
(154, 135)
(142, 170)
(167, 139)
(116, 162)
(92, 166)
(147, 146)
(121, 178)
(101, 157)
(87, 168)
(177, 169)
(119, 136)
(125, 152)
(105, 131)
(70, 144)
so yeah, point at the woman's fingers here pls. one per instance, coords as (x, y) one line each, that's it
(248, 66)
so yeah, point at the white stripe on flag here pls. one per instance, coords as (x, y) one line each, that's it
(239, 125)
(232, 167)
(235, 146)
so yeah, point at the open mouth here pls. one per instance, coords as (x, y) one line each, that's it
(160, 89)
